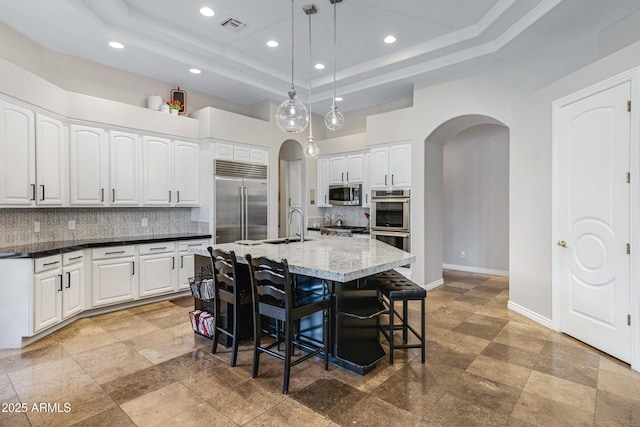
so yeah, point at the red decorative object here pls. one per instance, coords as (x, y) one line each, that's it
(179, 96)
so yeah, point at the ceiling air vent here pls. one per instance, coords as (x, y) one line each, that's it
(233, 24)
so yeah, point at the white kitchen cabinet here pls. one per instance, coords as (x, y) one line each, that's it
(88, 166)
(366, 184)
(47, 292)
(323, 182)
(391, 166)
(124, 169)
(51, 152)
(346, 169)
(157, 171)
(73, 283)
(224, 151)
(186, 261)
(158, 269)
(259, 156)
(400, 165)
(241, 153)
(113, 275)
(187, 173)
(17, 155)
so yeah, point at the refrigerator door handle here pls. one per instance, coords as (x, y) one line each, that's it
(246, 212)
(240, 189)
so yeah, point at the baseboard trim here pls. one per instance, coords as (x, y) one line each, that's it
(476, 269)
(434, 284)
(548, 323)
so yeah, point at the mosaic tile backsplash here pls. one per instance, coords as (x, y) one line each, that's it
(17, 226)
(350, 215)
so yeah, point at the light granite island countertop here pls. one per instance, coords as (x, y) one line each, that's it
(355, 307)
(340, 259)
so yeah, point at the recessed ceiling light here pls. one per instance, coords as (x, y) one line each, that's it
(116, 45)
(195, 71)
(389, 39)
(272, 43)
(207, 11)
(338, 98)
(319, 66)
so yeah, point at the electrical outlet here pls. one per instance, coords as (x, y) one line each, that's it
(145, 222)
(72, 224)
(463, 255)
(36, 226)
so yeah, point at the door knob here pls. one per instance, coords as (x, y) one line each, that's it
(562, 243)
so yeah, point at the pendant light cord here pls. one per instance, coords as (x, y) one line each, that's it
(335, 37)
(310, 83)
(292, 45)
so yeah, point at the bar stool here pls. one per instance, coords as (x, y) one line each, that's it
(231, 286)
(274, 297)
(391, 287)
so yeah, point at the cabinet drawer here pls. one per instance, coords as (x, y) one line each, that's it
(47, 263)
(199, 244)
(113, 252)
(72, 258)
(156, 248)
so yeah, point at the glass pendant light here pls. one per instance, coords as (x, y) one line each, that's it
(334, 118)
(310, 149)
(292, 116)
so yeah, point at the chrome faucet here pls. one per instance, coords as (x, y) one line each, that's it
(301, 222)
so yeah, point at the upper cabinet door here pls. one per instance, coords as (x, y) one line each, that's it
(157, 171)
(124, 168)
(366, 185)
(17, 155)
(400, 166)
(379, 167)
(355, 168)
(187, 183)
(51, 149)
(338, 169)
(88, 166)
(323, 182)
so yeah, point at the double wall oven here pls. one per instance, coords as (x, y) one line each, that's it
(390, 217)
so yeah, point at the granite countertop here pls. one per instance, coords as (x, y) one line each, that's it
(341, 259)
(42, 249)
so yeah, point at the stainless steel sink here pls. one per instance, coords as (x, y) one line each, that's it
(285, 240)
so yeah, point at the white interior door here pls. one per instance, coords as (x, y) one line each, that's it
(594, 218)
(294, 196)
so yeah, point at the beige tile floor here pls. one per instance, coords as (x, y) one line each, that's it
(485, 366)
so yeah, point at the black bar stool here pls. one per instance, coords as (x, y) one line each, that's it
(391, 287)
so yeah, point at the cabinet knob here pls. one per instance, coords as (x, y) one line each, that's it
(562, 243)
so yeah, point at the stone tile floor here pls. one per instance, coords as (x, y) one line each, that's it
(485, 366)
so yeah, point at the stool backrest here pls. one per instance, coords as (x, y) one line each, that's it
(270, 281)
(224, 266)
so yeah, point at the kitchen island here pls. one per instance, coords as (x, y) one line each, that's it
(344, 264)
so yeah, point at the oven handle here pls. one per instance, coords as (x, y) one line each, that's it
(389, 233)
(391, 200)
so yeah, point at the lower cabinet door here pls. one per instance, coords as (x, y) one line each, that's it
(158, 274)
(47, 298)
(113, 281)
(72, 291)
(187, 269)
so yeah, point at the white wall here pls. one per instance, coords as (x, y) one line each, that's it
(530, 178)
(476, 199)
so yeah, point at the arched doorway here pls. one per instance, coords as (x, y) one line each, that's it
(467, 224)
(291, 185)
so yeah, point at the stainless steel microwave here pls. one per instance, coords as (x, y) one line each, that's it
(345, 195)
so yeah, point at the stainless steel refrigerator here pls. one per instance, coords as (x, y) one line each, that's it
(240, 201)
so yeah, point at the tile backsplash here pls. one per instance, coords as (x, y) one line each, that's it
(350, 215)
(17, 226)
